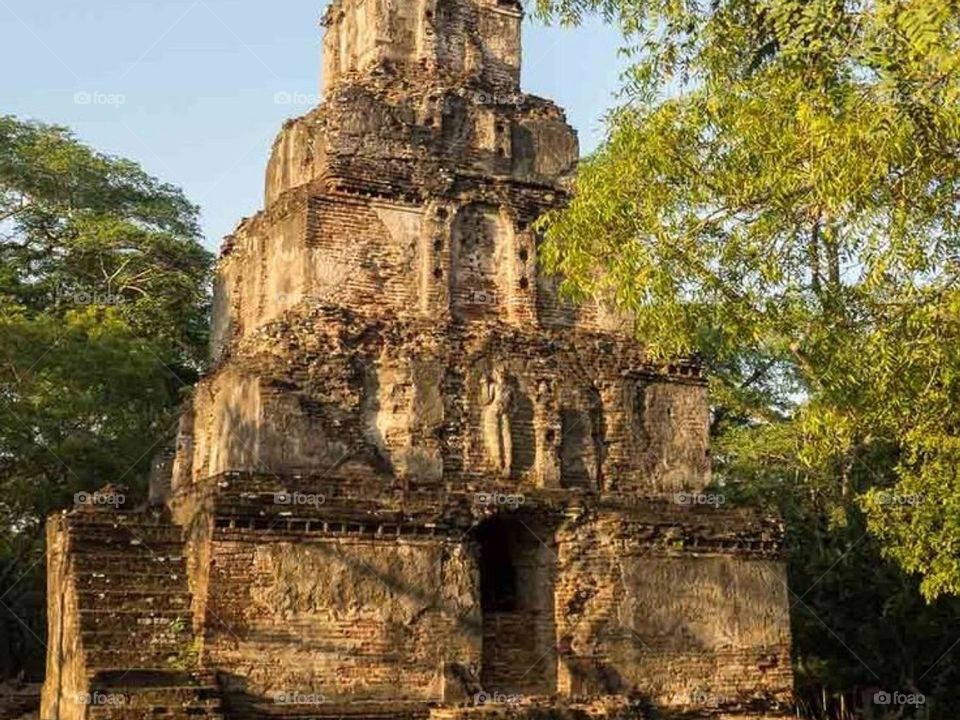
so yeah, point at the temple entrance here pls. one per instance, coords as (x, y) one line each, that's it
(517, 565)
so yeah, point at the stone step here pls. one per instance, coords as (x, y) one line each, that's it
(96, 573)
(129, 560)
(136, 626)
(123, 600)
(124, 546)
(265, 710)
(175, 694)
(165, 641)
(167, 531)
(133, 590)
(93, 620)
(157, 694)
(145, 658)
(161, 712)
(156, 518)
(146, 581)
(112, 679)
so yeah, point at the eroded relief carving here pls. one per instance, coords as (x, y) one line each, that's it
(547, 431)
(581, 448)
(530, 430)
(386, 402)
(497, 399)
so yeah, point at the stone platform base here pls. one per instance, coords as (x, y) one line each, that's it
(610, 708)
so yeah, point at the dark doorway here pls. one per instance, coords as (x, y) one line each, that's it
(517, 565)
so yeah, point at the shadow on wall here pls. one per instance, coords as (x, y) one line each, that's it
(478, 609)
(281, 428)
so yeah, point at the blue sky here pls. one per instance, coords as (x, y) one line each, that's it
(190, 88)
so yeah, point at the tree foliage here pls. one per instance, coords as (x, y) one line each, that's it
(103, 315)
(778, 191)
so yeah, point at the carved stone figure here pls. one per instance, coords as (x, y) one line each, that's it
(497, 398)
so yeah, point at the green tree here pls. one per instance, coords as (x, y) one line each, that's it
(103, 316)
(779, 192)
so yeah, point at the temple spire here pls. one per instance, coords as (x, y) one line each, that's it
(472, 41)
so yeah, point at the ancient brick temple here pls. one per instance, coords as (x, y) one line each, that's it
(416, 482)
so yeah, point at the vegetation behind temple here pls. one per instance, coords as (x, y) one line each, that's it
(779, 191)
(103, 321)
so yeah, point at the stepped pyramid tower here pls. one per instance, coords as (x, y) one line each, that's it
(417, 483)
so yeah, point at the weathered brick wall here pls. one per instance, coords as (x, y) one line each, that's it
(685, 605)
(268, 271)
(686, 629)
(467, 261)
(350, 618)
(661, 434)
(488, 470)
